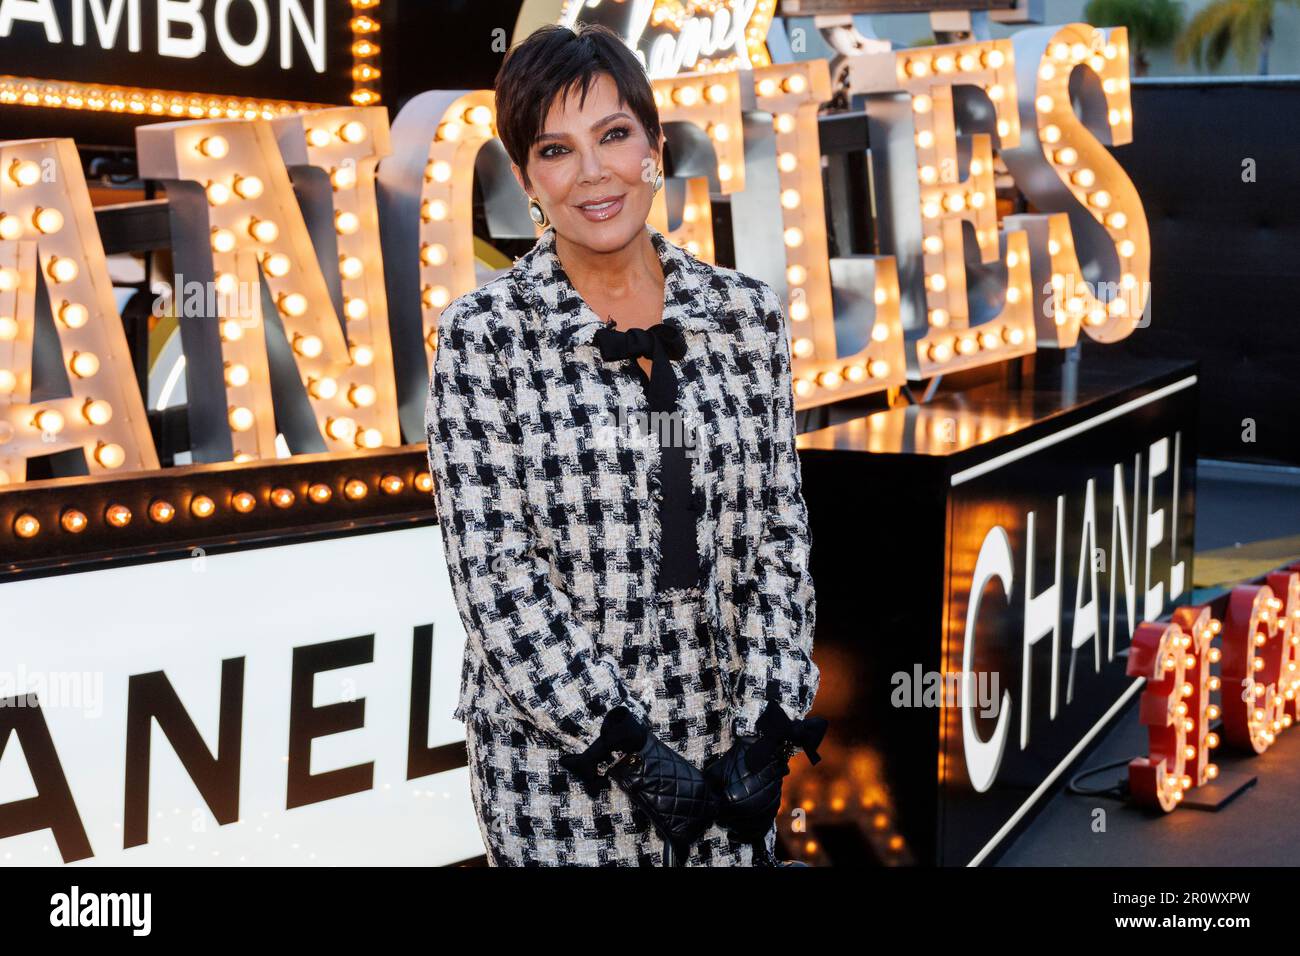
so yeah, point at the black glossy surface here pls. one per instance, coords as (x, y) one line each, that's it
(894, 547)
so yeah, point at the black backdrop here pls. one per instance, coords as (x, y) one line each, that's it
(1225, 262)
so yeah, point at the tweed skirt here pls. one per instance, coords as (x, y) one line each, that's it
(533, 812)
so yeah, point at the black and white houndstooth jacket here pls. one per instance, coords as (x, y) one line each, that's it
(547, 495)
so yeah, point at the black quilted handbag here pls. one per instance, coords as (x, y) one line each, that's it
(668, 788)
(747, 778)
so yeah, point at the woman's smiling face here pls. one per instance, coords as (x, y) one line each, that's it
(592, 168)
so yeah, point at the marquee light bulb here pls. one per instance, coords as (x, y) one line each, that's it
(352, 132)
(323, 388)
(201, 506)
(796, 275)
(787, 162)
(243, 502)
(276, 264)
(355, 308)
(24, 172)
(248, 187)
(223, 240)
(48, 221)
(940, 352)
(73, 315)
(73, 521)
(8, 279)
(993, 59)
(8, 328)
(293, 304)
(319, 492)
(240, 418)
(355, 489)
(369, 438)
(10, 226)
(236, 375)
(363, 355)
(263, 230)
(214, 147)
(879, 332)
(921, 103)
(309, 346)
(343, 177)
(84, 364)
(26, 526)
(424, 482)
(391, 484)
(282, 497)
(48, 420)
(341, 428)
(112, 455)
(218, 193)
(318, 137)
(361, 396)
(878, 368)
(231, 330)
(8, 382)
(346, 222)
(62, 269)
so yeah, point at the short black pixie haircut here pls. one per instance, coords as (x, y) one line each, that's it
(552, 61)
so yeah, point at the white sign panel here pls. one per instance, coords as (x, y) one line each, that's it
(261, 707)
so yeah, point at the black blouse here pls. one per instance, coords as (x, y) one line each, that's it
(679, 562)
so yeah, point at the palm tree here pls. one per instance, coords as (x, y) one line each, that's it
(1151, 24)
(1244, 26)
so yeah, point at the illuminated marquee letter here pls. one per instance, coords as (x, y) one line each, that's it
(48, 235)
(231, 201)
(441, 140)
(703, 128)
(1253, 708)
(341, 192)
(783, 172)
(922, 201)
(1175, 706)
(1063, 168)
(1042, 617)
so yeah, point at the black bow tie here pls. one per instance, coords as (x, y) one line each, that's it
(659, 343)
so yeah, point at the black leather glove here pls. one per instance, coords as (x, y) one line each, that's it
(666, 786)
(747, 778)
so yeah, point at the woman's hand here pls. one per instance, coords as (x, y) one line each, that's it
(667, 787)
(748, 777)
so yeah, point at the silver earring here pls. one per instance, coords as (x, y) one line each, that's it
(536, 213)
(659, 180)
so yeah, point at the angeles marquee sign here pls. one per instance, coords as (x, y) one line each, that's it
(353, 270)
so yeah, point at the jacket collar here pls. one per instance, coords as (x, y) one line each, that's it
(693, 297)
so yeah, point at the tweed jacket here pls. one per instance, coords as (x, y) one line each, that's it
(547, 492)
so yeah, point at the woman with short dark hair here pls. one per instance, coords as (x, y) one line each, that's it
(627, 540)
